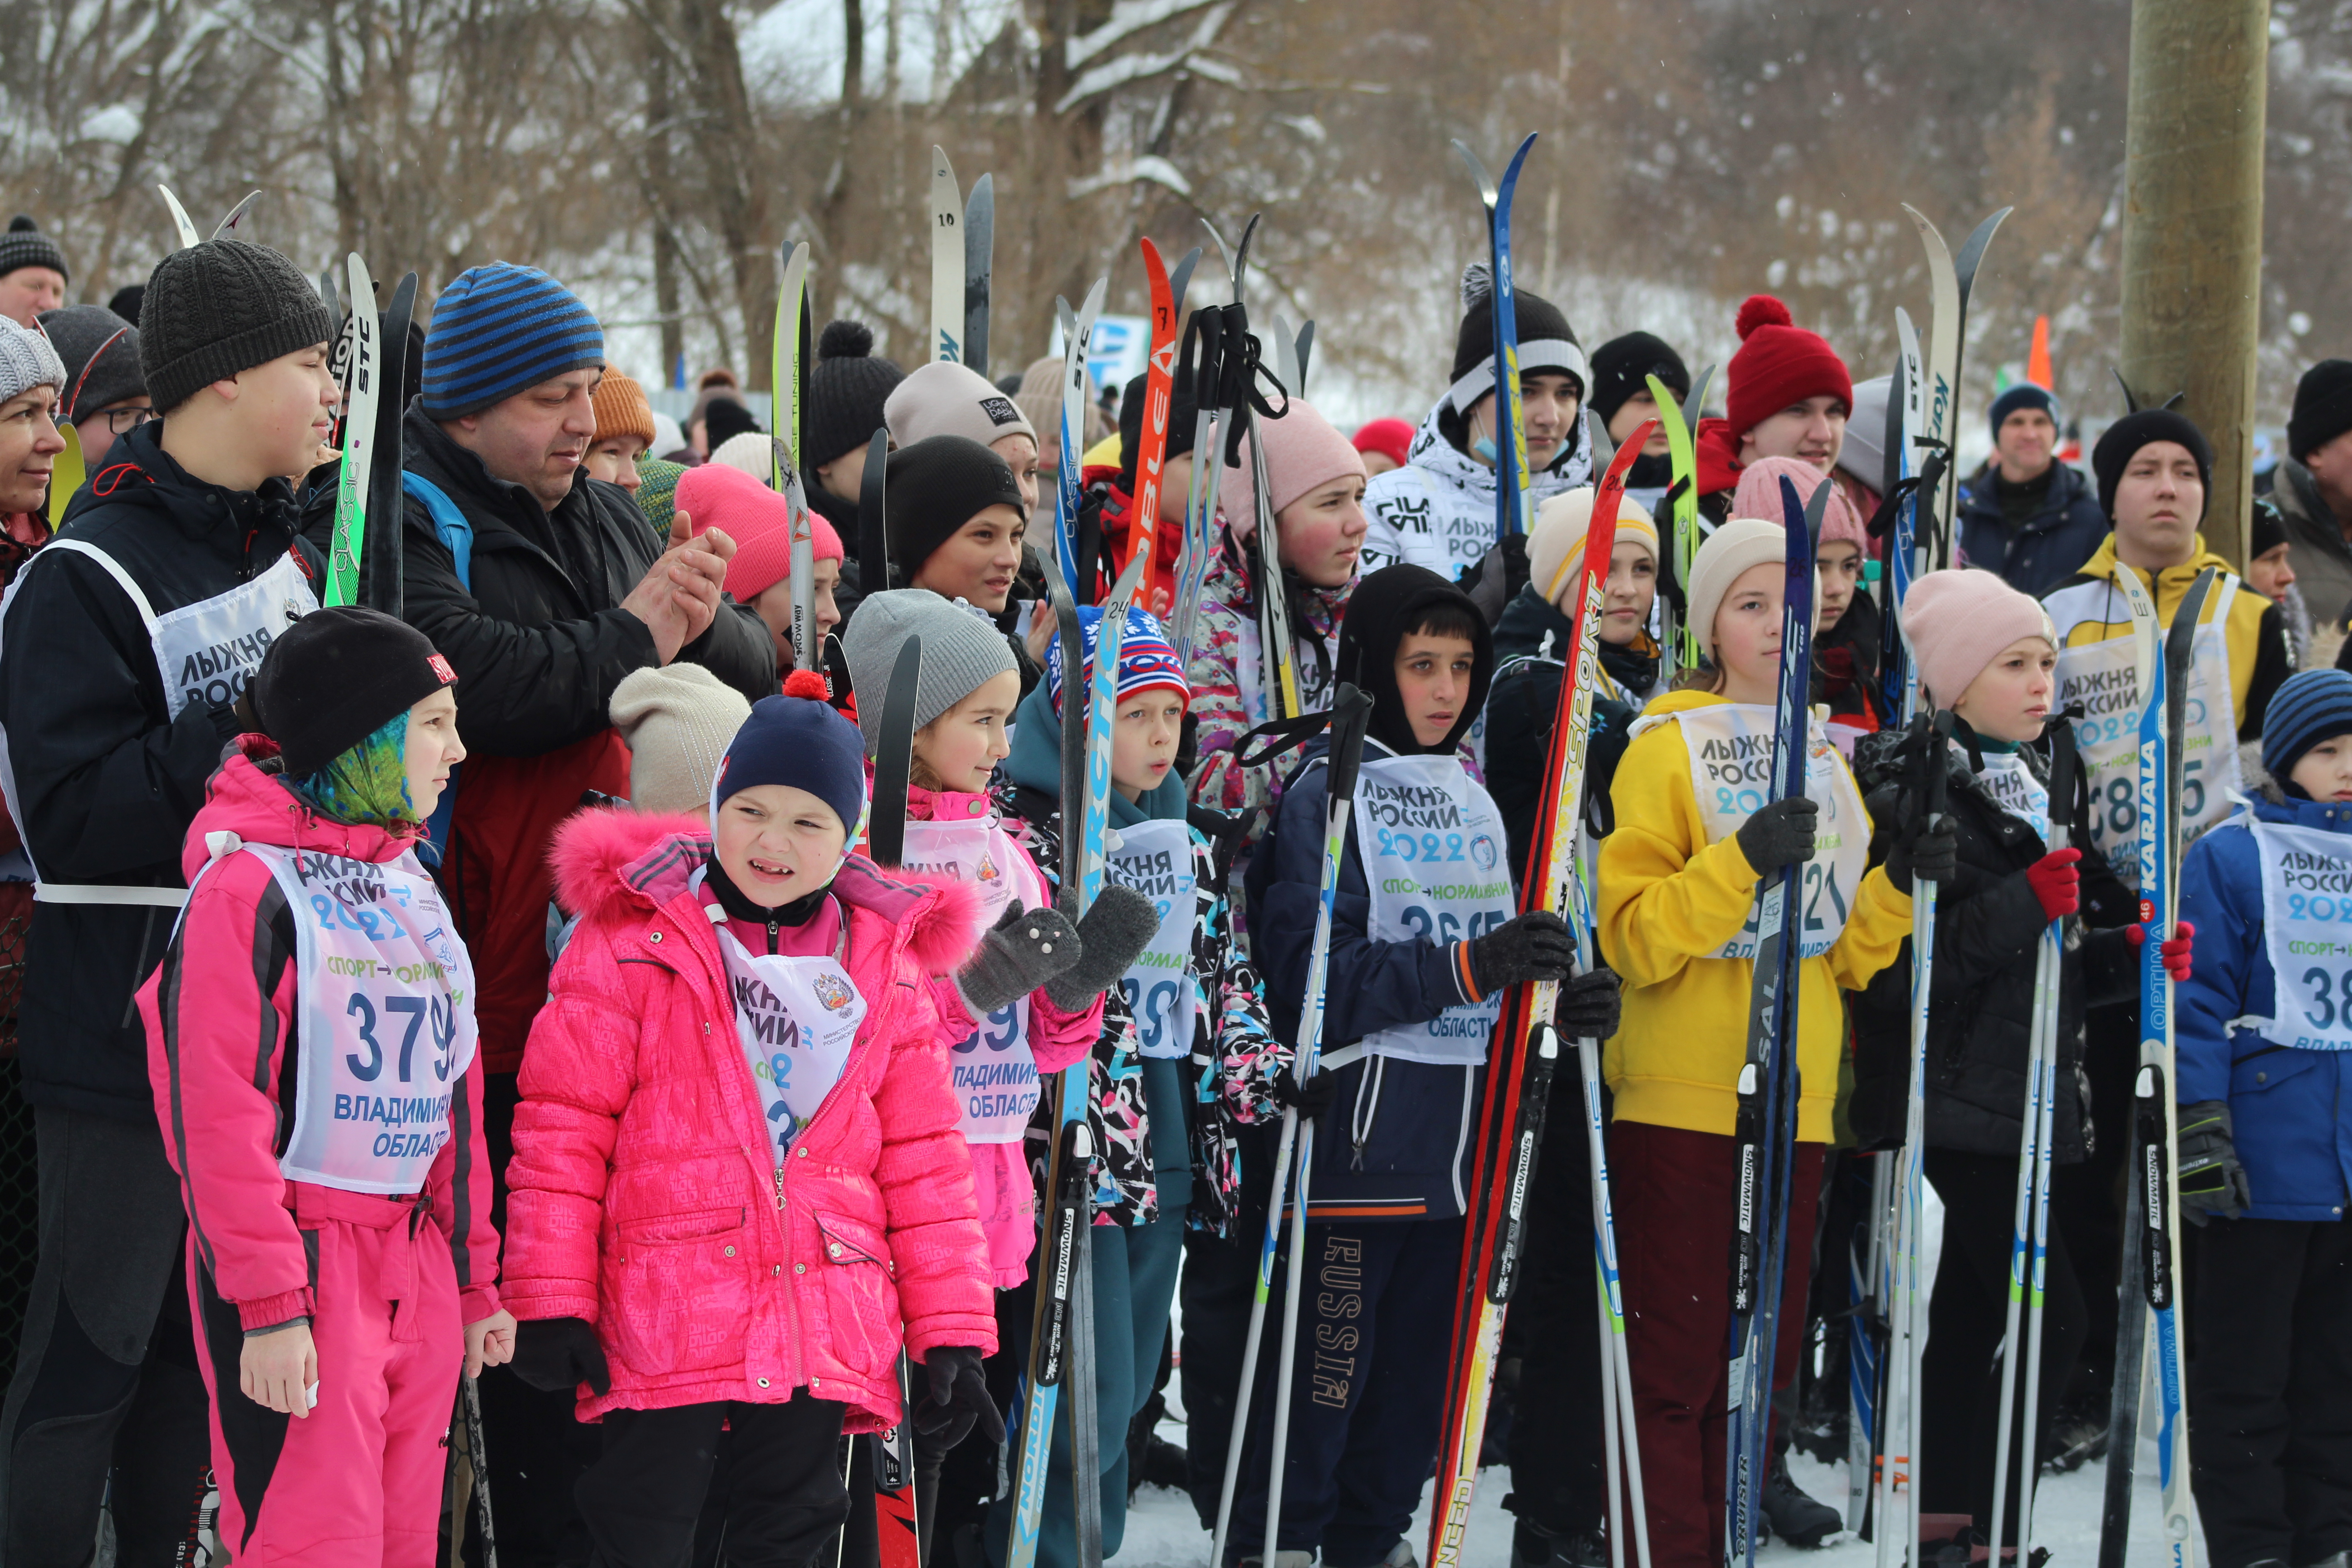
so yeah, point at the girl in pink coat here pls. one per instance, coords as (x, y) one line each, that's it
(338, 1191)
(737, 1183)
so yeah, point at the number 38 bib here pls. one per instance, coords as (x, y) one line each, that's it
(2102, 677)
(1432, 846)
(385, 1015)
(2307, 934)
(1730, 746)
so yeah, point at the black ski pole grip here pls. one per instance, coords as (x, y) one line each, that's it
(1352, 711)
(2063, 767)
(1935, 793)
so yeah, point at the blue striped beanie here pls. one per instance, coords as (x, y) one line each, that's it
(2310, 707)
(1146, 659)
(498, 328)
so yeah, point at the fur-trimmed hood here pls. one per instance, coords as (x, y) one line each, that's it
(604, 854)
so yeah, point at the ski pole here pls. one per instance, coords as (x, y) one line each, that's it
(2020, 1238)
(1266, 1256)
(1350, 709)
(1617, 1377)
(469, 1392)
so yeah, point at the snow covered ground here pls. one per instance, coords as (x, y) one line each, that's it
(1162, 1532)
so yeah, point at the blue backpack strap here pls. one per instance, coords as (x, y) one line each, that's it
(457, 534)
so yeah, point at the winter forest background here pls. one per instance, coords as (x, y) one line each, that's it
(654, 153)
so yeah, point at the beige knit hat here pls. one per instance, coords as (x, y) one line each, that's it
(677, 720)
(1556, 543)
(943, 398)
(1742, 542)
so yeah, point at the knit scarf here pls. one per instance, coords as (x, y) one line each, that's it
(366, 786)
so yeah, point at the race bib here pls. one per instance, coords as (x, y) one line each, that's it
(2100, 676)
(2307, 934)
(2009, 779)
(385, 1019)
(992, 1070)
(1432, 843)
(1155, 859)
(1730, 747)
(796, 1019)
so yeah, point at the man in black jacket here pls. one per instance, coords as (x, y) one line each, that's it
(124, 649)
(544, 588)
(2025, 514)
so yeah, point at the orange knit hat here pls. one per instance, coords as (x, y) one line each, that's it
(621, 409)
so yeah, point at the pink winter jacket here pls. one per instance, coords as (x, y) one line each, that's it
(1006, 1193)
(642, 1195)
(228, 981)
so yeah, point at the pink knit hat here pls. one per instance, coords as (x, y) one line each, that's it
(1303, 453)
(1758, 495)
(1958, 621)
(756, 519)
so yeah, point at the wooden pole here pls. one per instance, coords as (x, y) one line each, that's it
(2193, 230)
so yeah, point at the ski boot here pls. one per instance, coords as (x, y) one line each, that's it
(1533, 1546)
(2078, 1434)
(1795, 1518)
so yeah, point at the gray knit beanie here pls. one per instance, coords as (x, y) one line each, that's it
(961, 649)
(27, 360)
(100, 351)
(218, 307)
(677, 720)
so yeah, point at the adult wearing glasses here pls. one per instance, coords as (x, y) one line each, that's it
(106, 393)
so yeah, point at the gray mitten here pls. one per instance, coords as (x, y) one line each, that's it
(1020, 952)
(1117, 925)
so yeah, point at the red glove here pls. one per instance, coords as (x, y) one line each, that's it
(2056, 883)
(2174, 950)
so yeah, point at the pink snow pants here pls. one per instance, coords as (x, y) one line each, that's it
(358, 1480)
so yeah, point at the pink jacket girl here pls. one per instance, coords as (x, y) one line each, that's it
(736, 1184)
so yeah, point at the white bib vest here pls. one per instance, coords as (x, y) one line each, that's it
(205, 652)
(796, 1019)
(1730, 746)
(1434, 851)
(384, 1012)
(1155, 859)
(2307, 934)
(2101, 677)
(2009, 781)
(992, 1071)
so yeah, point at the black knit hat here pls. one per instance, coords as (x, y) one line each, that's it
(25, 245)
(220, 307)
(2267, 532)
(100, 351)
(2322, 407)
(1621, 368)
(1546, 341)
(336, 677)
(2127, 435)
(724, 418)
(1387, 607)
(934, 488)
(846, 391)
(1182, 418)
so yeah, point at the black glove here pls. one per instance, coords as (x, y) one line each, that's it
(1780, 834)
(958, 1398)
(1929, 849)
(1589, 1006)
(1499, 576)
(2211, 1180)
(1530, 947)
(1119, 924)
(1310, 1099)
(556, 1355)
(1020, 952)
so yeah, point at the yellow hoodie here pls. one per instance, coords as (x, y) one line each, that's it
(2089, 609)
(1668, 898)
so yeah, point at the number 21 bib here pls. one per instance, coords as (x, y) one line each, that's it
(1730, 746)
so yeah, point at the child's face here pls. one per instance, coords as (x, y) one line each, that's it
(2011, 697)
(957, 749)
(1322, 532)
(1632, 584)
(287, 407)
(777, 843)
(613, 460)
(1748, 634)
(1143, 742)
(978, 561)
(1434, 673)
(1838, 570)
(433, 749)
(775, 608)
(2324, 771)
